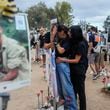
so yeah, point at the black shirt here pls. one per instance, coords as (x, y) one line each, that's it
(42, 40)
(47, 37)
(33, 43)
(92, 39)
(80, 49)
(64, 43)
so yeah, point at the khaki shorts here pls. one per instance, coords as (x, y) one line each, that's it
(42, 51)
(99, 58)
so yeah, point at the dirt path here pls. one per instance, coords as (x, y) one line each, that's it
(25, 99)
(96, 99)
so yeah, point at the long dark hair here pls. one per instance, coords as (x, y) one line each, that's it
(76, 34)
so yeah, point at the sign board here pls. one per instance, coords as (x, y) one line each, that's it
(54, 21)
(15, 61)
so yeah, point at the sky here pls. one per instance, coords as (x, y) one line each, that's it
(93, 11)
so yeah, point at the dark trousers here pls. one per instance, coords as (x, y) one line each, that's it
(78, 82)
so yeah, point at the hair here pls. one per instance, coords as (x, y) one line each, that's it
(63, 28)
(94, 29)
(76, 34)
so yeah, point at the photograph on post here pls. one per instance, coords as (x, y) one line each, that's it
(14, 52)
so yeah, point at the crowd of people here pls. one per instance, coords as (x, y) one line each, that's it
(74, 53)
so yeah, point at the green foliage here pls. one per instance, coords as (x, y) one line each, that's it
(107, 23)
(37, 15)
(63, 11)
(40, 15)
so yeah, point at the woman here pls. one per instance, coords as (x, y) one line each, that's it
(65, 87)
(78, 63)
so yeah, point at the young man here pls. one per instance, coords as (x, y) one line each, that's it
(94, 56)
(42, 49)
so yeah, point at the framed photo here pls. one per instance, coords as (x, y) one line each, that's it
(15, 60)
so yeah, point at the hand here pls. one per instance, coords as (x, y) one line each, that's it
(59, 60)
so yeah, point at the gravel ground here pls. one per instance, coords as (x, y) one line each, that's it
(26, 98)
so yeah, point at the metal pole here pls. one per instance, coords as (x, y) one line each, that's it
(38, 95)
(1, 103)
(42, 98)
(4, 98)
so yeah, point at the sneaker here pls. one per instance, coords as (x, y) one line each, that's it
(103, 72)
(96, 76)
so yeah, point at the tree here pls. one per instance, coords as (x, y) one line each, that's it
(51, 13)
(63, 11)
(107, 24)
(37, 15)
(40, 15)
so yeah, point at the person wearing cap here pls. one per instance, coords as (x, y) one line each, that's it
(14, 64)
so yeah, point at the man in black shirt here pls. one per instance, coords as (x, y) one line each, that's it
(42, 40)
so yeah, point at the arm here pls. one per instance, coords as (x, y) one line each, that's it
(76, 60)
(80, 51)
(60, 49)
(48, 45)
(49, 38)
(11, 75)
(90, 43)
(90, 47)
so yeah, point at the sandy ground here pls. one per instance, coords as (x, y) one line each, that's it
(26, 98)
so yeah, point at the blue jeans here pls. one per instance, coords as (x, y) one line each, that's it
(65, 87)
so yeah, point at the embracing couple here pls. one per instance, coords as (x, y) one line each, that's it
(71, 64)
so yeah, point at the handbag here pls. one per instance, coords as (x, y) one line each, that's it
(97, 49)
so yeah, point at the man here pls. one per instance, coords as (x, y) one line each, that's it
(100, 60)
(93, 56)
(42, 50)
(13, 60)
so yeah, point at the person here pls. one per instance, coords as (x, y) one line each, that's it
(50, 38)
(32, 40)
(42, 49)
(33, 46)
(14, 64)
(100, 59)
(93, 56)
(50, 52)
(78, 63)
(65, 88)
